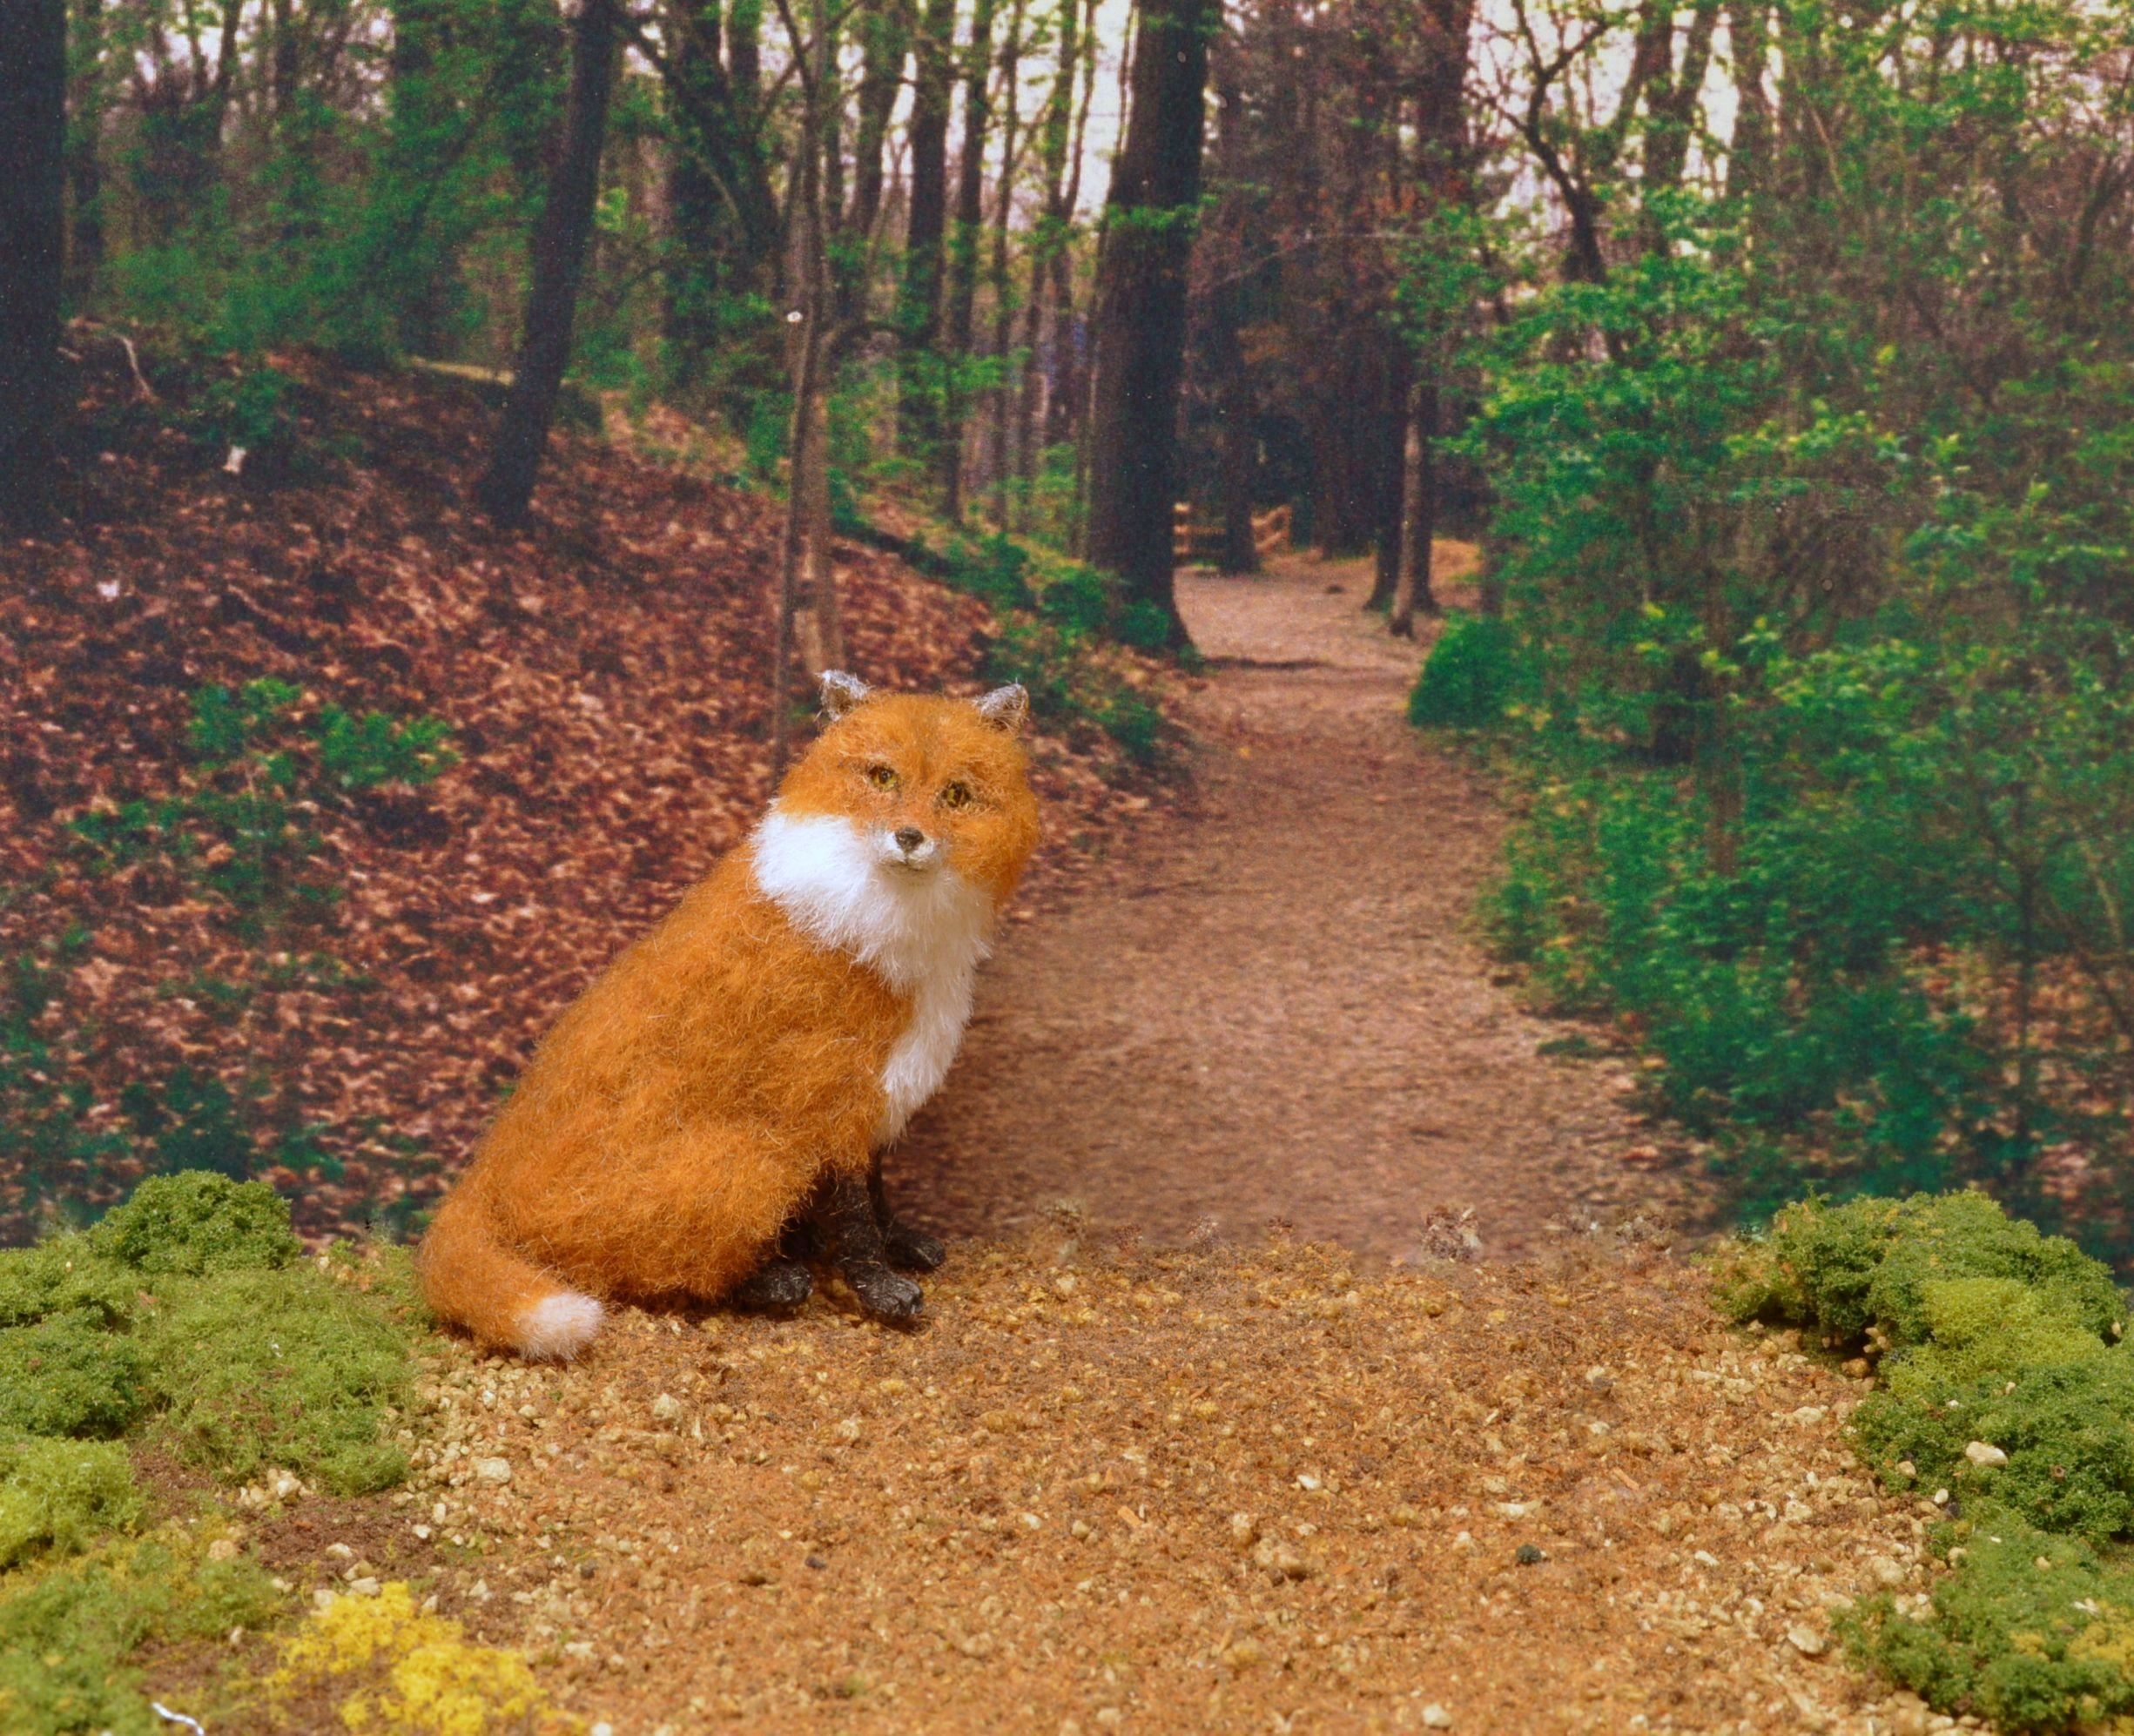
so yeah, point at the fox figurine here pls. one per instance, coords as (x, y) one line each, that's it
(735, 1074)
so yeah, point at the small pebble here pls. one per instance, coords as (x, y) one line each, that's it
(493, 1470)
(1435, 1717)
(1984, 1456)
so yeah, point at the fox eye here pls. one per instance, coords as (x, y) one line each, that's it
(956, 794)
(882, 777)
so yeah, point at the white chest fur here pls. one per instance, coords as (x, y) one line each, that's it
(924, 932)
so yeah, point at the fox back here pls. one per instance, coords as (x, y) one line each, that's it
(781, 1025)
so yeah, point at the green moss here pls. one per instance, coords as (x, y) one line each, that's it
(59, 1497)
(1844, 1270)
(2032, 1646)
(66, 1635)
(1968, 1236)
(62, 1275)
(1976, 1329)
(197, 1223)
(70, 1374)
(285, 1369)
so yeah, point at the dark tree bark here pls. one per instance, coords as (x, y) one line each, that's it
(1140, 313)
(725, 214)
(84, 158)
(1236, 442)
(1412, 592)
(885, 44)
(962, 291)
(561, 242)
(997, 270)
(918, 303)
(33, 146)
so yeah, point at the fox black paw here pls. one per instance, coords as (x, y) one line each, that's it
(885, 1296)
(778, 1286)
(912, 1251)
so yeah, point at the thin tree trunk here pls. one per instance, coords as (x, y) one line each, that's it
(926, 226)
(1418, 510)
(962, 300)
(33, 146)
(805, 583)
(1040, 340)
(561, 242)
(1141, 307)
(997, 275)
(1388, 470)
(885, 44)
(84, 157)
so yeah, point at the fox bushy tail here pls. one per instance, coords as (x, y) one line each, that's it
(472, 1279)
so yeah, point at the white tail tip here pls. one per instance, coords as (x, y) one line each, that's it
(557, 1327)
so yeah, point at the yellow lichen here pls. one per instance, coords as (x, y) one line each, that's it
(421, 1675)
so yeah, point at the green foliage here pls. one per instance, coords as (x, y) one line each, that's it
(69, 1375)
(239, 825)
(197, 1225)
(184, 1319)
(1991, 1335)
(361, 753)
(44, 1122)
(59, 1498)
(189, 1123)
(67, 1636)
(2031, 1630)
(1864, 1266)
(1468, 678)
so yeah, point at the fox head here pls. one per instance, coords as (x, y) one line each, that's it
(931, 788)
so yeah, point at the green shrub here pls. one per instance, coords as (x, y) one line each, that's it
(2030, 1630)
(60, 1498)
(283, 1368)
(69, 1375)
(1843, 1269)
(198, 1224)
(360, 753)
(63, 1275)
(66, 1638)
(1468, 678)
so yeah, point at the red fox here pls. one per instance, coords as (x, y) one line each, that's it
(735, 1074)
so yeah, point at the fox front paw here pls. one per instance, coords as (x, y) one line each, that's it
(912, 1251)
(778, 1286)
(885, 1296)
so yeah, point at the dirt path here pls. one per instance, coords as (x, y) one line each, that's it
(1109, 1485)
(1271, 1006)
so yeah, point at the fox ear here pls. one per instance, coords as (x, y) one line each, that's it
(841, 692)
(1006, 708)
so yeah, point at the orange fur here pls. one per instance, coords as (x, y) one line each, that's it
(681, 1111)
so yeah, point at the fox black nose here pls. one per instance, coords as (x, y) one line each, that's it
(909, 838)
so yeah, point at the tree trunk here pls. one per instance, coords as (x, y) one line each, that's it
(919, 312)
(997, 272)
(1388, 474)
(84, 157)
(562, 239)
(33, 145)
(1141, 315)
(885, 44)
(1418, 510)
(963, 252)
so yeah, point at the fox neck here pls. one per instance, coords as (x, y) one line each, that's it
(924, 934)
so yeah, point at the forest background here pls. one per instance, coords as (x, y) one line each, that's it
(1777, 352)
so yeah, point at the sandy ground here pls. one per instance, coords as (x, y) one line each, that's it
(1133, 1474)
(1273, 1006)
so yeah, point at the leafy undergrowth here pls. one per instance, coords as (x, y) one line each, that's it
(320, 797)
(188, 1323)
(2005, 1394)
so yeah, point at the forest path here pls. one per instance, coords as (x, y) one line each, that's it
(1272, 1004)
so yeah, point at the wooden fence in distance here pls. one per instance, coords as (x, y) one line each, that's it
(1198, 540)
